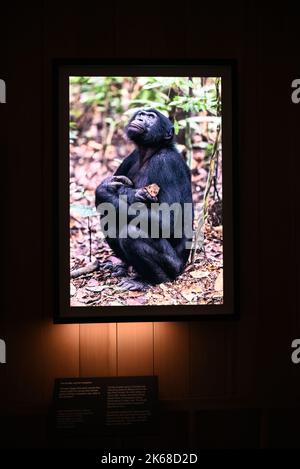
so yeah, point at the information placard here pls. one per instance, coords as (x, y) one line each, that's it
(108, 406)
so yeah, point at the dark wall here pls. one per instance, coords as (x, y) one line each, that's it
(222, 383)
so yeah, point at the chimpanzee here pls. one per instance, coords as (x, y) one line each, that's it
(154, 161)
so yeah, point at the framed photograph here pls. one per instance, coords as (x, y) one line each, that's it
(145, 171)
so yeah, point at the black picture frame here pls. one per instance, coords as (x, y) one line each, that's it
(62, 69)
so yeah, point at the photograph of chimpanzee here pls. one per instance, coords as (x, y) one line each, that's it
(145, 191)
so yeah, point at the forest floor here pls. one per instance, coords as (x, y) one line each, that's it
(200, 283)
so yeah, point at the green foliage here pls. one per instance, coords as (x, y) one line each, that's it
(183, 99)
(160, 92)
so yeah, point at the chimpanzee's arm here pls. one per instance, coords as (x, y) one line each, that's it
(166, 169)
(108, 190)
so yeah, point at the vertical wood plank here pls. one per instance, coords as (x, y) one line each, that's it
(60, 342)
(135, 348)
(209, 360)
(171, 359)
(97, 349)
(60, 351)
(151, 46)
(245, 330)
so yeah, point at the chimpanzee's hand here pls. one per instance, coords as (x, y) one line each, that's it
(142, 195)
(113, 183)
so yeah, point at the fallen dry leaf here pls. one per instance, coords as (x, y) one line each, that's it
(188, 296)
(92, 283)
(196, 289)
(136, 301)
(219, 281)
(115, 303)
(81, 296)
(134, 294)
(75, 302)
(97, 289)
(199, 274)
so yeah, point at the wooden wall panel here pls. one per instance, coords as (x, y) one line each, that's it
(135, 349)
(171, 359)
(211, 359)
(60, 352)
(153, 36)
(225, 42)
(247, 159)
(74, 33)
(277, 220)
(38, 351)
(98, 350)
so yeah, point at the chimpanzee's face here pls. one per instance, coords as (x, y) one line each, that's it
(150, 128)
(142, 122)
